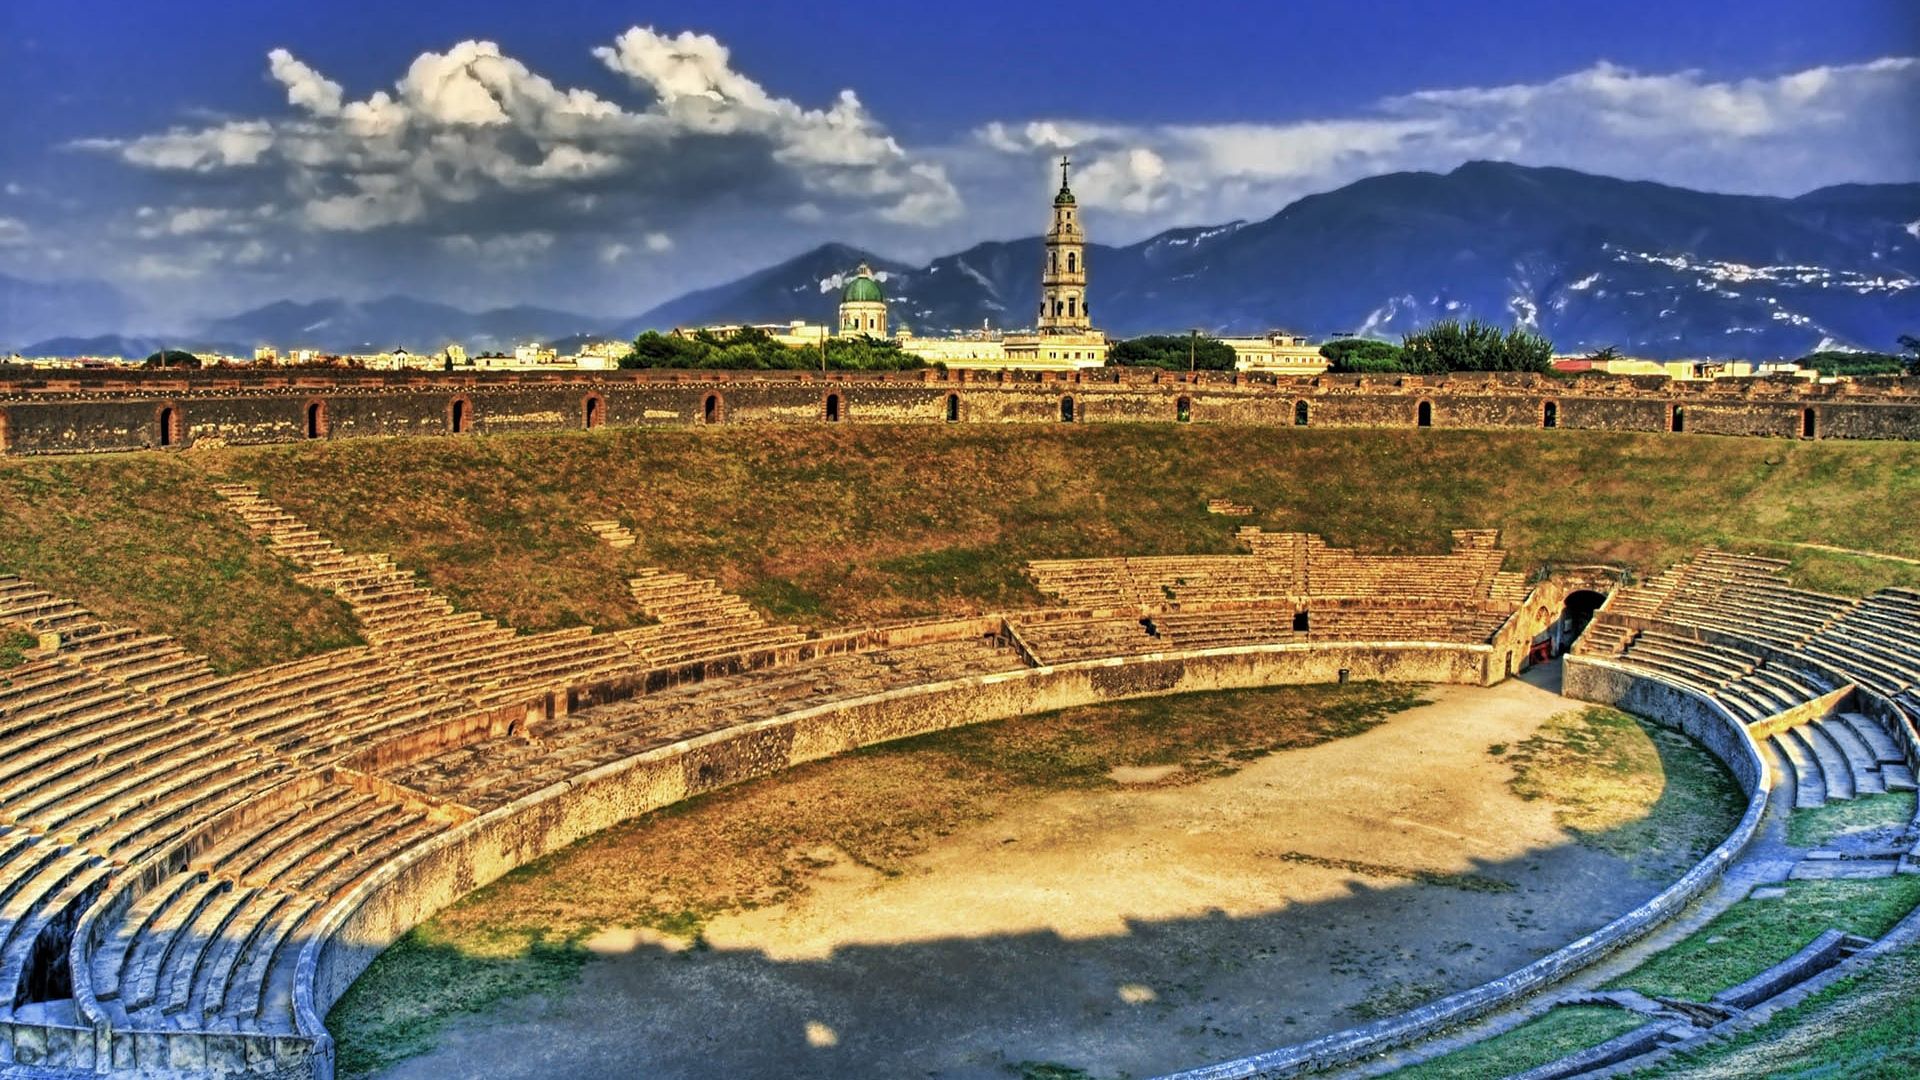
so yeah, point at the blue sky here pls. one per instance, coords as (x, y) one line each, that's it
(204, 155)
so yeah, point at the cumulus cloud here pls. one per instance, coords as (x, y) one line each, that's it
(13, 232)
(472, 127)
(1780, 135)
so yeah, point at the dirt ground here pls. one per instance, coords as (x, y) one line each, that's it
(1122, 933)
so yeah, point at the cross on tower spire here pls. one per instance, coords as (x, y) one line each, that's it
(1063, 170)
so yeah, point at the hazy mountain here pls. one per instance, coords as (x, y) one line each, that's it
(30, 310)
(1589, 260)
(804, 287)
(394, 322)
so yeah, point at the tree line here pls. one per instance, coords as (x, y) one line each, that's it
(753, 349)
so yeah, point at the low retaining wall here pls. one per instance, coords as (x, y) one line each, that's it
(1587, 680)
(467, 856)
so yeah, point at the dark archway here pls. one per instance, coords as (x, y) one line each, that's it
(1183, 409)
(1809, 424)
(459, 416)
(316, 419)
(1300, 622)
(1677, 419)
(1578, 612)
(1301, 414)
(833, 408)
(593, 412)
(953, 408)
(1423, 416)
(166, 422)
(1550, 414)
(1066, 409)
(710, 409)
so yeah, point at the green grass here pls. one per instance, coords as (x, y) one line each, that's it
(1536, 1042)
(1818, 826)
(1754, 935)
(141, 539)
(858, 524)
(399, 1006)
(1864, 1027)
(13, 647)
(1628, 787)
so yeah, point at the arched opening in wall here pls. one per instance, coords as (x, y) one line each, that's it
(953, 408)
(1550, 414)
(1066, 409)
(593, 412)
(166, 424)
(1183, 409)
(1300, 623)
(1677, 419)
(1578, 612)
(833, 408)
(459, 416)
(1809, 424)
(710, 409)
(316, 419)
(1300, 414)
(1423, 416)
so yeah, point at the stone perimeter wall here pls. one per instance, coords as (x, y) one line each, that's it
(1586, 680)
(86, 412)
(426, 879)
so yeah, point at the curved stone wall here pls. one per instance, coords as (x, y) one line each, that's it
(467, 856)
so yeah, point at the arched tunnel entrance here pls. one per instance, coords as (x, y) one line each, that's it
(1574, 617)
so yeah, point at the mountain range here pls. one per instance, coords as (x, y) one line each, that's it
(1587, 260)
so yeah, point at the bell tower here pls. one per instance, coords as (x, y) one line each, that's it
(1063, 279)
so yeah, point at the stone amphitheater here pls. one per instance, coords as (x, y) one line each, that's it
(195, 866)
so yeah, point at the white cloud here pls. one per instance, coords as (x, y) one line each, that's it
(658, 242)
(1778, 135)
(306, 87)
(13, 232)
(472, 124)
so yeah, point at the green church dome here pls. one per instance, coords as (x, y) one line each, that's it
(863, 289)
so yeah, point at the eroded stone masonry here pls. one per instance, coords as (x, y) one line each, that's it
(80, 412)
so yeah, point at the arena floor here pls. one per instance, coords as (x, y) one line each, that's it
(1121, 934)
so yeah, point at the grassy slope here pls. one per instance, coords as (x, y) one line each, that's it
(1866, 1027)
(140, 538)
(1536, 1042)
(750, 845)
(1754, 935)
(853, 524)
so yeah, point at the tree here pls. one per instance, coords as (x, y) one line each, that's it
(1837, 362)
(1910, 343)
(1604, 355)
(753, 349)
(1354, 355)
(1173, 352)
(1474, 346)
(172, 358)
